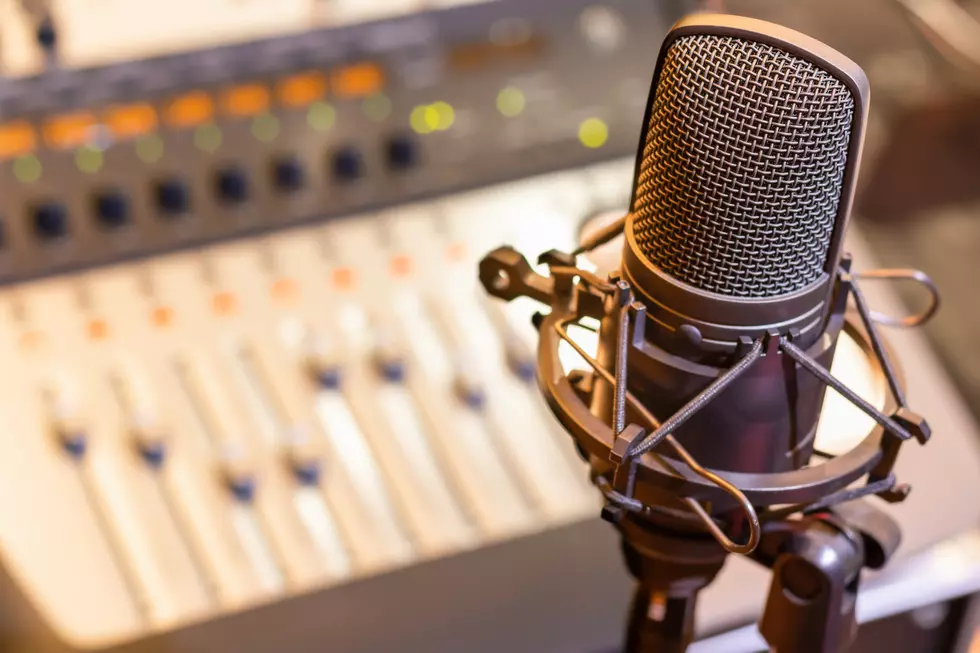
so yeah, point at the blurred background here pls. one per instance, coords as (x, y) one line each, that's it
(251, 397)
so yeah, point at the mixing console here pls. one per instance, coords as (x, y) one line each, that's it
(222, 427)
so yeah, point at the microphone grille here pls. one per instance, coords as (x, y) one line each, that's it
(741, 172)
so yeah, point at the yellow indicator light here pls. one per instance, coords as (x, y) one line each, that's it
(89, 159)
(16, 139)
(208, 138)
(445, 115)
(427, 118)
(377, 107)
(420, 125)
(149, 148)
(321, 116)
(593, 133)
(431, 117)
(511, 101)
(27, 168)
(265, 127)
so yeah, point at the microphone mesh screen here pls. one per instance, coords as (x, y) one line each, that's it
(741, 172)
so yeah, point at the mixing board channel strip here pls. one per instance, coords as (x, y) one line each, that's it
(311, 344)
(534, 454)
(279, 384)
(300, 454)
(151, 546)
(150, 442)
(73, 434)
(164, 382)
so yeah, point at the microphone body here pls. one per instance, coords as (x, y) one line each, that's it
(764, 422)
(743, 183)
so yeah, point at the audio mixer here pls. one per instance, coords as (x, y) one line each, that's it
(252, 398)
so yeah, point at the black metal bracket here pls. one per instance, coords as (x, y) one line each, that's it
(816, 563)
(902, 424)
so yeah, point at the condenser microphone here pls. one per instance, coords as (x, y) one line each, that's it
(716, 336)
(743, 184)
(742, 188)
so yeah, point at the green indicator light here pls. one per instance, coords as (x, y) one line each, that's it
(419, 119)
(265, 127)
(208, 137)
(511, 101)
(149, 148)
(593, 133)
(89, 159)
(321, 116)
(377, 107)
(27, 168)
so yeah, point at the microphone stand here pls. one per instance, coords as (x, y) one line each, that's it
(670, 569)
(816, 563)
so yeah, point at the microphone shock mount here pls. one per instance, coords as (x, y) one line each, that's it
(680, 519)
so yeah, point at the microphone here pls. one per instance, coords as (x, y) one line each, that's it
(743, 184)
(717, 333)
(742, 190)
